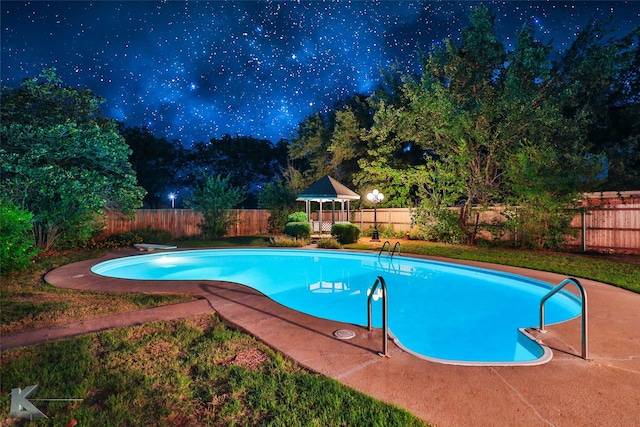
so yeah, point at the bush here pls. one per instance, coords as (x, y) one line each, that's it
(129, 238)
(328, 243)
(345, 232)
(297, 217)
(287, 242)
(384, 232)
(154, 235)
(17, 244)
(298, 229)
(416, 234)
(442, 225)
(278, 198)
(214, 197)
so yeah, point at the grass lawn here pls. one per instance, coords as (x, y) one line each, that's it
(199, 370)
(196, 371)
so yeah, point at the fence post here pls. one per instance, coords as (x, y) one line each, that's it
(584, 230)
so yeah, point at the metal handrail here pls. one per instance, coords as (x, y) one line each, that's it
(397, 245)
(385, 328)
(583, 303)
(387, 243)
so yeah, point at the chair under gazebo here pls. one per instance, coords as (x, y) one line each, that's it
(325, 190)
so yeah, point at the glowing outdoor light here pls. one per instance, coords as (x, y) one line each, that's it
(375, 197)
(172, 197)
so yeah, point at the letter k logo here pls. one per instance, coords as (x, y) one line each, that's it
(21, 407)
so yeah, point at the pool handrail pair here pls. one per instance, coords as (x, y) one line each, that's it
(583, 304)
(385, 327)
(388, 245)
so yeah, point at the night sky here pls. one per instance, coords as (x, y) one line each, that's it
(196, 70)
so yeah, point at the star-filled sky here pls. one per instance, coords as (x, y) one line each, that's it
(196, 70)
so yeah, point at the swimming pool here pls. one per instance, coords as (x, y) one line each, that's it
(442, 311)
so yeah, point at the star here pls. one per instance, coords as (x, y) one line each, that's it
(192, 71)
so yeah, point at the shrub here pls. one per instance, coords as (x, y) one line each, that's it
(129, 238)
(214, 197)
(287, 242)
(384, 232)
(297, 217)
(154, 235)
(114, 241)
(278, 198)
(345, 232)
(17, 244)
(298, 229)
(328, 243)
(441, 225)
(416, 234)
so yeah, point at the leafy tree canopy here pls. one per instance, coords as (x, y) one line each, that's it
(156, 162)
(246, 161)
(62, 161)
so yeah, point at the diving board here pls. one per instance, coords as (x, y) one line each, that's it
(151, 247)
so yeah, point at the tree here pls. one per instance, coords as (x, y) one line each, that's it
(156, 163)
(601, 73)
(214, 197)
(309, 148)
(247, 162)
(449, 136)
(332, 143)
(62, 161)
(278, 197)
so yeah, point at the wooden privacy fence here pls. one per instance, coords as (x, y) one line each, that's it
(184, 222)
(399, 218)
(608, 228)
(605, 228)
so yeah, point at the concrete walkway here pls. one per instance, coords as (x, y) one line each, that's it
(567, 391)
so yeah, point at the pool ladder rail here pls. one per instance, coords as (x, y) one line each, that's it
(583, 304)
(387, 244)
(385, 310)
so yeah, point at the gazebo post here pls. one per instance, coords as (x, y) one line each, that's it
(333, 212)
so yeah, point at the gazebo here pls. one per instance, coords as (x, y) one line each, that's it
(326, 190)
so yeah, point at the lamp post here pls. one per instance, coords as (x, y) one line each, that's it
(173, 200)
(375, 197)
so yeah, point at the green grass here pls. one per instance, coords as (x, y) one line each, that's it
(187, 372)
(623, 272)
(223, 242)
(28, 302)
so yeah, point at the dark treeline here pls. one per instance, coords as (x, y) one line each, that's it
(167, 167)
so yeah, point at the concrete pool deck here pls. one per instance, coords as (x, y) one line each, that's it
(567, 391)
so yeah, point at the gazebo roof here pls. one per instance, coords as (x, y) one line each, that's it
(327, 189)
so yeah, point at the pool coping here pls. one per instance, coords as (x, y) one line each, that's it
(565, 391)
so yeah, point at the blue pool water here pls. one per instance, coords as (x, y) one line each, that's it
(437, 310)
